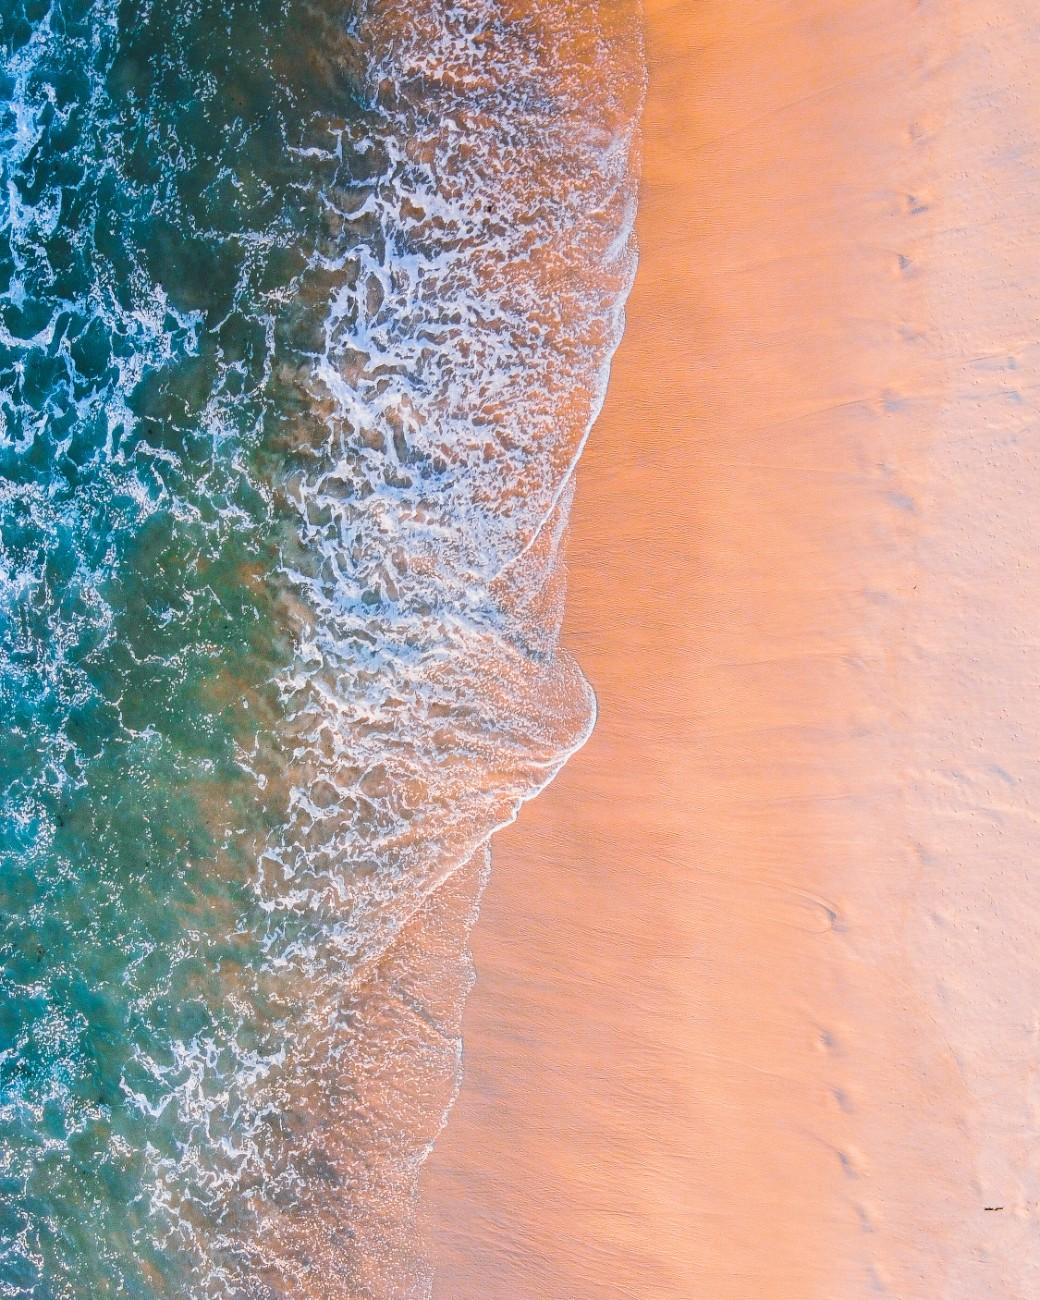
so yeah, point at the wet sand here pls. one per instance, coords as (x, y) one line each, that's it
(757, 975)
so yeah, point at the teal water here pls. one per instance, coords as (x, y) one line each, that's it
(289, 294)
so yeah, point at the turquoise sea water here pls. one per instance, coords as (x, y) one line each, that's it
(304, 313)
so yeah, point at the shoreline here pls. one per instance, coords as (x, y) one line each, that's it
(736, 1027)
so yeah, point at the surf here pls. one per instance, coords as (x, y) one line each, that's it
(307, 311)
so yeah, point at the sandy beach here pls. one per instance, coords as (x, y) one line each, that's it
(756, 975)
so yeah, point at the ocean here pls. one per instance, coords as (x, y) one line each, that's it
(306, 311)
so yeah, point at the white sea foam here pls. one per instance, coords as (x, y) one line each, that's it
(469, 287)
(479, 274)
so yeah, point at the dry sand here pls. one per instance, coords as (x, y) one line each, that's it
(756, 1013)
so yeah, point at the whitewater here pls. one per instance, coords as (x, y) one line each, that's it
(306, 311)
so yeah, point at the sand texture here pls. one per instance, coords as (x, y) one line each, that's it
(756, 1012)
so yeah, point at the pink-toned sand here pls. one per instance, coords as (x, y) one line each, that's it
(757, 1012)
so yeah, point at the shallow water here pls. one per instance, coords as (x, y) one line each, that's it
(756, 1008)
(306, 311)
